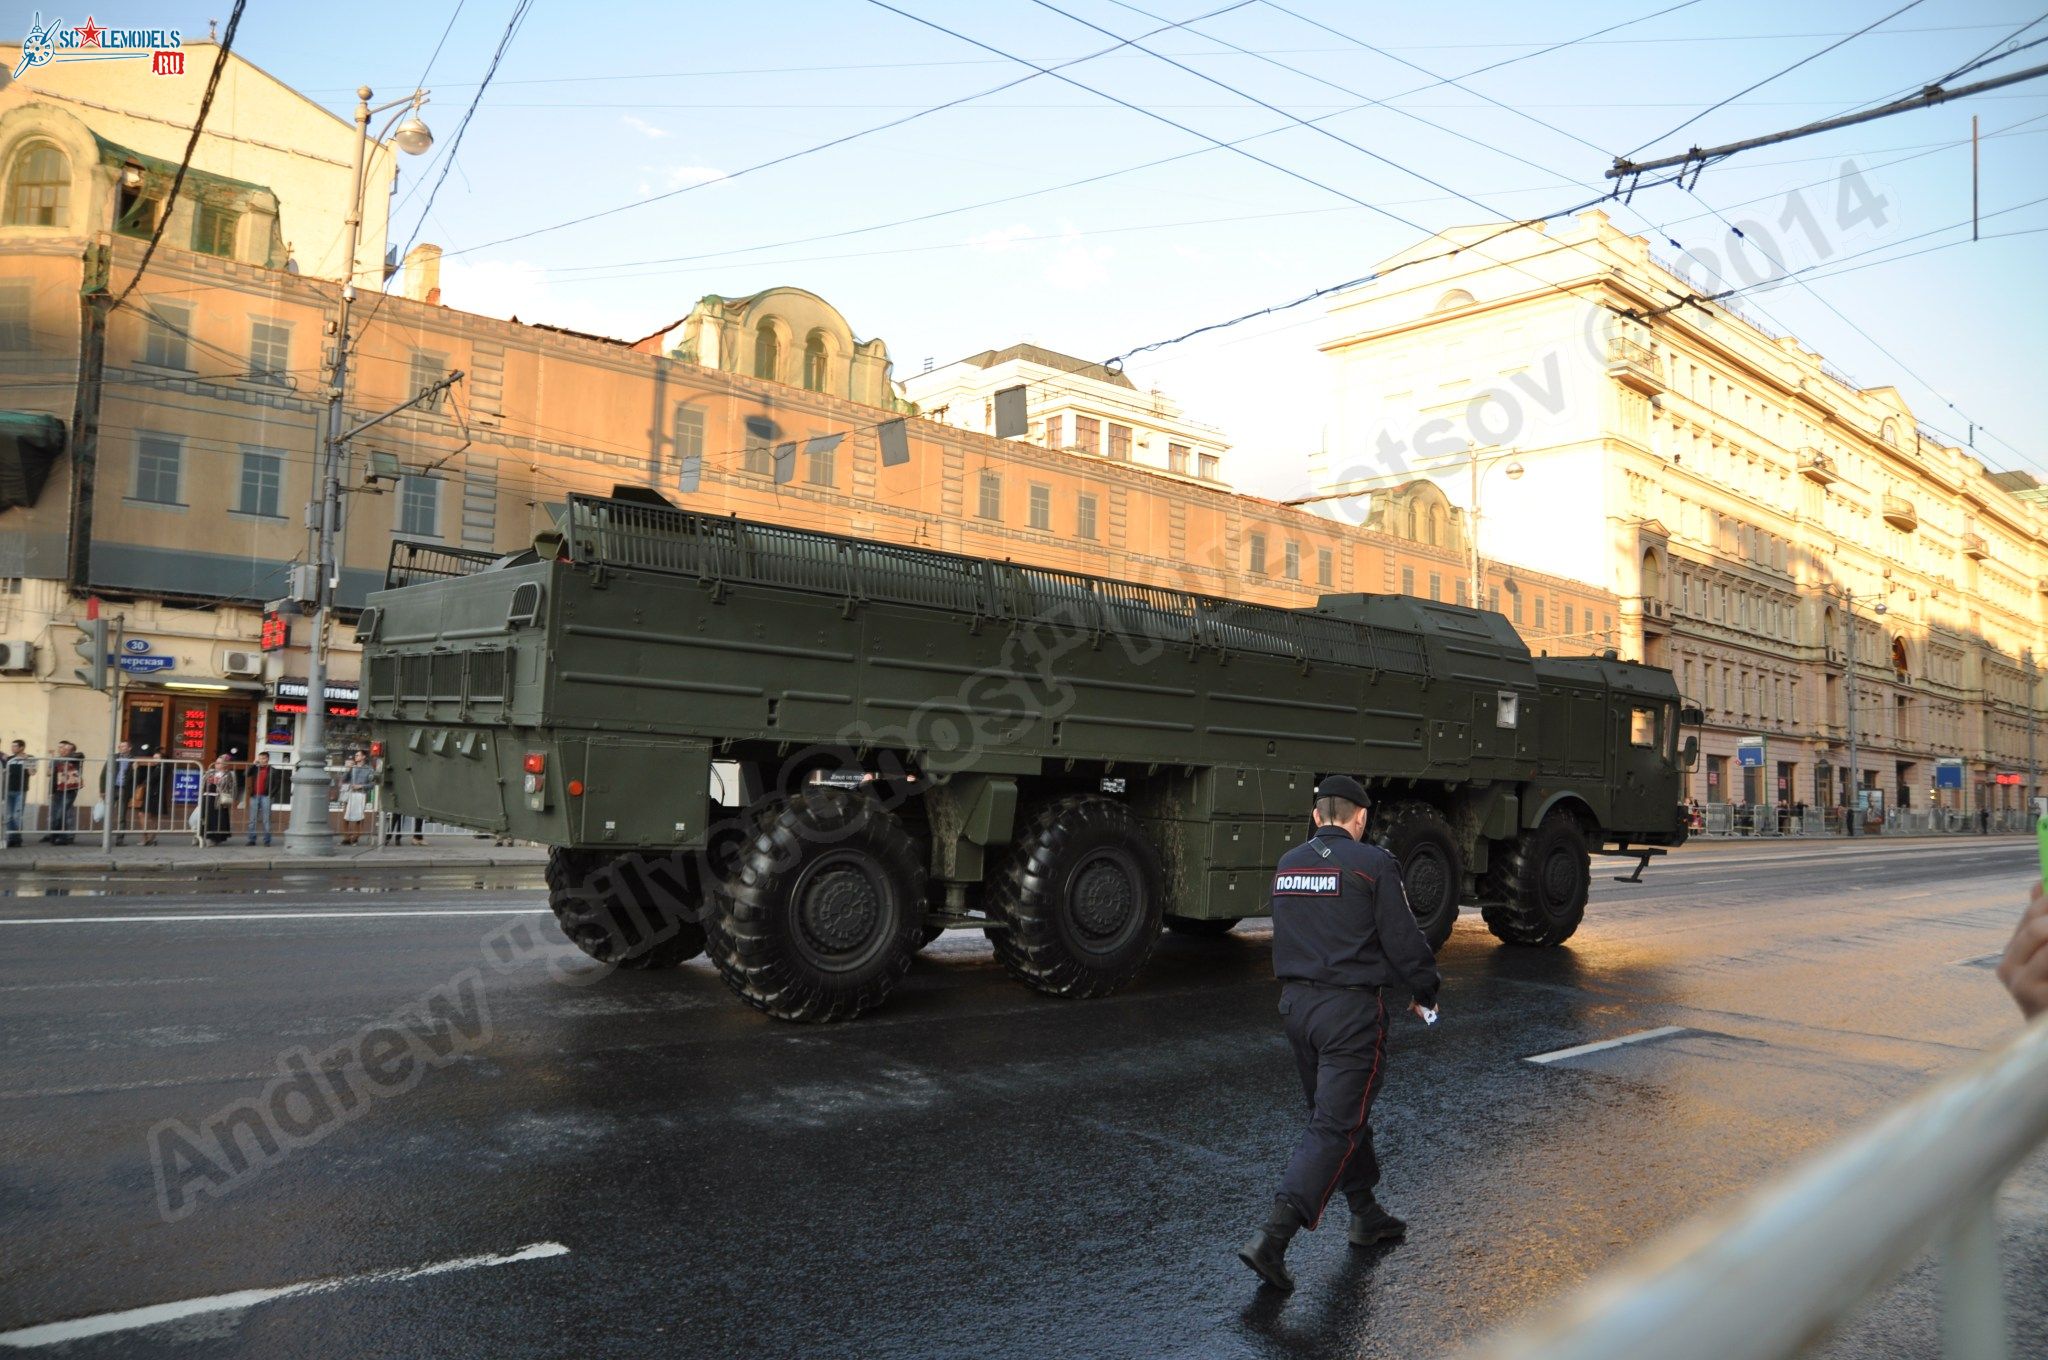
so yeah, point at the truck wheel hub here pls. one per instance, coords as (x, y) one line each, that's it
(1560, 876)
(839, 909)
(1104, 897)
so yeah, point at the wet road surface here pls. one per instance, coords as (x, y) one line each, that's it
(974, 1171)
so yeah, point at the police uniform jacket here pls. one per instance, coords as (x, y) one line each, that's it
(1341, 919)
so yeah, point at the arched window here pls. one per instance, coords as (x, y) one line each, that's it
(1414, 522)
(817, 362)
(767, 351)
(39, 187)
(1891, 431)
(1653, 577)
(1899, 660)
(1436, 526)
(1454, 299)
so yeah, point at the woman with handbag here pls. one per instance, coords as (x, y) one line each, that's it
(356, 780)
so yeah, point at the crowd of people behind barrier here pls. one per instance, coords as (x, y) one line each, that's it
(63, 795)
(1803, 819)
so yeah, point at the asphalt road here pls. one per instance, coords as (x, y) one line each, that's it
(634, 1163)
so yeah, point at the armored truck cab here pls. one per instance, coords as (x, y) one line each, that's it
(806, 754)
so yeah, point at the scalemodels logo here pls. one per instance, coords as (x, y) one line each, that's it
(45, 43)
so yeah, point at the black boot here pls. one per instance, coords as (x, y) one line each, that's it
(1266, 1253)
(1372, 1225)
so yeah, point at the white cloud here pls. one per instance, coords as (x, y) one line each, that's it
(1000, 240)
(1077, 265)
(643, 127)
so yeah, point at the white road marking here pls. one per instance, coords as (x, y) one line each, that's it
(268, 916)
(56, 1333)
(101, 984)
(1713, 882)
(1583, 1049)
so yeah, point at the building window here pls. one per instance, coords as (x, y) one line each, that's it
(429, 367)
(1493, 598)
(1324, 567)
(1055, 432)
(1120, 443)
(39, 187)
(419, 507)
(824, 470)
(157, 463)
(991, 502)
(1041, 506)
(15, 331)
(1291, 561)
(1211, 466)
(270, 346)
(1461, 592)
(1539, 611)
(1570, 620)
(1407, 580)
(689, 432)
(213, 230)
(1258, 566)
(759, 458)
(1084, 516)
(1436, 586)
(767, 351)
(1516, 600)
(262, 476)
(164, 344)
(816, 362)
(1088, 434)
(1177, 458)
(136, 210)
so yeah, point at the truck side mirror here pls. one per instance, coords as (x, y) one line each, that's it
(1689, 754)
(1690, 716)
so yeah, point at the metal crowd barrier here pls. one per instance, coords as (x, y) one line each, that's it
(159, 801)
(1772, 1276)
(1779, 819)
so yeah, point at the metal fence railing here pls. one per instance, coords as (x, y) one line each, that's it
(1767, 820)
(52, 800)
(1770, 1277)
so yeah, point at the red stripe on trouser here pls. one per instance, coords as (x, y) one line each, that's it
(1379, 1049)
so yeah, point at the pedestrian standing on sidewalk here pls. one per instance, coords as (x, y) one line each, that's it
(116, 785)
(1983, 821)
(217, 794)
(256, 791)
(20, 769)
(67, 777)
(1342, 934)
(356, 780)
(151, 800)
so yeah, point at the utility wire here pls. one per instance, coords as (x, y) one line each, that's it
(1774, 76)
(786, 157)
(163, 219)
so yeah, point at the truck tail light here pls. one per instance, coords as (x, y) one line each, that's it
(536, 762)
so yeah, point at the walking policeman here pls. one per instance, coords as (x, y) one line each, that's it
(1342, 934)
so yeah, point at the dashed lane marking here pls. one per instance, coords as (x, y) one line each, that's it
(1662, 1031)
(128, 1320)
(265, 916)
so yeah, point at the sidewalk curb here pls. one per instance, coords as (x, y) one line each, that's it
(1752, 842)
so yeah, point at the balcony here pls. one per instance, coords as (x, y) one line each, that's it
(1635, 366)
(1816, 466)
(1900, 514)
(1974, 547)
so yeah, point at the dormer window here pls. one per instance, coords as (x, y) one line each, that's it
(39, 187)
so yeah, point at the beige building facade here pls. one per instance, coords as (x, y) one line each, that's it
(1751, 509)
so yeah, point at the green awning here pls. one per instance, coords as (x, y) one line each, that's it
(30, 445)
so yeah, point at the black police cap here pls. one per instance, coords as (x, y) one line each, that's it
(1342, 786)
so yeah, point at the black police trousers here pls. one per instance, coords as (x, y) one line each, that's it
(1339, 1037)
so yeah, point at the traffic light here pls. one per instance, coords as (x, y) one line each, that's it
(92, 645)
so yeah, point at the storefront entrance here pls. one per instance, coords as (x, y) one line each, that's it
(189, 726)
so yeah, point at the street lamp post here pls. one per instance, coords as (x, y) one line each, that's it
(308, 832)
(1514, 473)
(1849, 694)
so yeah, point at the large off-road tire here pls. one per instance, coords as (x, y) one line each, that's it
(825, 907)
(1081, 897)
(1432, 874)
(630, 910)
(1203, 928)
(1538, 886)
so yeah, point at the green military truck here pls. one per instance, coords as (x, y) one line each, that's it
(808, 754)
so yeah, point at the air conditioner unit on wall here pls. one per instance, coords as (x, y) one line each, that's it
(241, 663)
(17, 658)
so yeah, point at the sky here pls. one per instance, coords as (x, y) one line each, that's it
(594, 109)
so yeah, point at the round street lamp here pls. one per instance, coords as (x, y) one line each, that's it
(412, 136)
